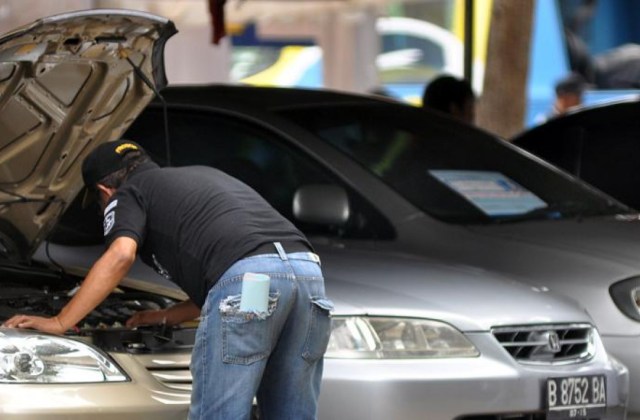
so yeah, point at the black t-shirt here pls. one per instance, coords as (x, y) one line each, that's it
(192, 223)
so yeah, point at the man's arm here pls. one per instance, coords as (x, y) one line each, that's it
(103, 277)
(180, 312)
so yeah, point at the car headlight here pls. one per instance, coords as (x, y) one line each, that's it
(395, 338)
(29, 357)
(626, 295)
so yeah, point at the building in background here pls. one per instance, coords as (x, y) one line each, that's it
(394, 45)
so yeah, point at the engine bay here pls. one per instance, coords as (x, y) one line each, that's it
(42, 292)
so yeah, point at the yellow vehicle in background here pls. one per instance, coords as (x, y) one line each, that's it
(412, 52)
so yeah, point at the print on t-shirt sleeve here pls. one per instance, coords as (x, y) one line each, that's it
(125, 215)
(109, 217)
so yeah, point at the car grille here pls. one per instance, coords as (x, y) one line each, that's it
(545, 344)
(172, 371)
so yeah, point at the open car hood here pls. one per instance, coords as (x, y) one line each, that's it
(67, 84)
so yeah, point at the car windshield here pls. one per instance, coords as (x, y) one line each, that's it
(451, 171)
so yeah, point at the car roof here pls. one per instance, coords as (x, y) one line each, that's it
(262, 97)
(253, 100)
(592, 116)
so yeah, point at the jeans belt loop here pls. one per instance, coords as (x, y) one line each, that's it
(281, 252)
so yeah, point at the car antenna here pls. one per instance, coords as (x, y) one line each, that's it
(147, 82)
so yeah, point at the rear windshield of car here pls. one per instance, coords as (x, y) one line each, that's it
(449, 170)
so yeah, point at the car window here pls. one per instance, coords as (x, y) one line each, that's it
(408, 58)
(248, 152)
(602, 152)
(449, 170)
(610, 160)
(247, 61)
(258, 157)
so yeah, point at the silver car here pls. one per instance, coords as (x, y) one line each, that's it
(413, 336)
(440, 189)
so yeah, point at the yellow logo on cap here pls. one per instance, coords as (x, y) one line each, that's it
(125, 146)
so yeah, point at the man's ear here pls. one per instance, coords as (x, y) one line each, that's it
(103, 188)
(108, 191)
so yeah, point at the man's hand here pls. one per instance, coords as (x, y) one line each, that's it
(103, 277)
(50, 325)
(150, 317)
(174, 315)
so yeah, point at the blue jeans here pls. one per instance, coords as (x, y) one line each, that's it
(274, 356)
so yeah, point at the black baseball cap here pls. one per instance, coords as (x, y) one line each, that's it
(104, 160)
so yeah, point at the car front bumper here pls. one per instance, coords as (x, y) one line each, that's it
(626, 349)
(143, 398)
(492, 384)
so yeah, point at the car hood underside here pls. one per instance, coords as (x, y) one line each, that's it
(67, 83)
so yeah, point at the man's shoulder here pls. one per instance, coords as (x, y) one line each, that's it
(200, 171)
(176, 175)
(155, 171)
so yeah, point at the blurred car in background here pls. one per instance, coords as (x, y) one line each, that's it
(599, 144)
(426, 334)
(412, 52)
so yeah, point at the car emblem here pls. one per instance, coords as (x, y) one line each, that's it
(554, 342)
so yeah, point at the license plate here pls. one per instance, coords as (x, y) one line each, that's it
(576, 396)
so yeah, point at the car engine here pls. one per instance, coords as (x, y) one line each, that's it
(45, 293)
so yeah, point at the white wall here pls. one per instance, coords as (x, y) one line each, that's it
(190, 57)
(15, 13)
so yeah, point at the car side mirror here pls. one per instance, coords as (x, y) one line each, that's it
(321, 204)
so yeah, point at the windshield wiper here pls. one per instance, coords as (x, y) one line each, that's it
(557, 211)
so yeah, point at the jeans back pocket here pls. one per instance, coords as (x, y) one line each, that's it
(319, 329)
(246, 336)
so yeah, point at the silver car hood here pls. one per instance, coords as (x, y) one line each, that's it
(600, 239)
(385, 284)
(579, 259)
(67, 83)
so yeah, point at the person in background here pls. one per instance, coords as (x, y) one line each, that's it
(569, 91)
(452, 96)
(568, 95)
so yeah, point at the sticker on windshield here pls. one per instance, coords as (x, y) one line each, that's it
(492, 192)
